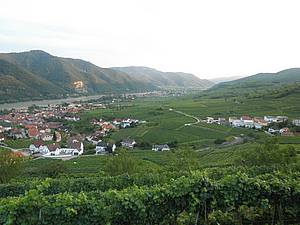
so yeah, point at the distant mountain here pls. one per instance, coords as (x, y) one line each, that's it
(165, 79)
(260, 85)
(39, 75)
(225, 79)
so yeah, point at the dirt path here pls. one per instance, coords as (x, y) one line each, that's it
(187, 115)
(15, 150)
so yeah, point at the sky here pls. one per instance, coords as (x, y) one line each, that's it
(209, 38)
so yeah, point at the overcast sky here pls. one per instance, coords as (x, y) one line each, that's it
(212, 38)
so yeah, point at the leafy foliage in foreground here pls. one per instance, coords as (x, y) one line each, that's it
(193, 199)
(10, 165)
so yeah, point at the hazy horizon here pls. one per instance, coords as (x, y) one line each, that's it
(207, 38)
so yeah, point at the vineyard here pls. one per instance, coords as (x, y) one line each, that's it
(223, 196)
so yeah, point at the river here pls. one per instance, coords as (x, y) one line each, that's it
(18, 105)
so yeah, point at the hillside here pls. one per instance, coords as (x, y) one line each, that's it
(16, 83)
(60, 76)
(39, 75)
(164, 79)
(273, 85)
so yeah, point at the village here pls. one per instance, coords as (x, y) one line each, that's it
(45, 131)
(272, 125)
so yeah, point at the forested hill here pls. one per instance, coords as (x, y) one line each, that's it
(273, 85)
(164, 79)
(39, 75)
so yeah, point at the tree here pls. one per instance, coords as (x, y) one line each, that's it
(10, 165)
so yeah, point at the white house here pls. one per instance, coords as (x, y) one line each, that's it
(296, 122)
(275, 119)
(38, 147)
(248, 121)
(210, 120)
(273, 131)
(75, 148)
(161, 148)
(125, 124)
(258, 126)
(221, 121)
(101, 148)
(128, 143)
(237, 123)
(269, 119)
(231, 119)
(281, 119)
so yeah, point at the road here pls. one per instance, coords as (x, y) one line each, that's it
(187, 115)
(15, 150)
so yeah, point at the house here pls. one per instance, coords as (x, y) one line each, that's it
(210, 120)
(237, 123)
(38, 147)
(231, 119)
(17, 133)
(281, 119)
(125, 124)
(46, 137)
(296, 122)
(72, 118)
(160, 148)
(104, 148)
(270, 119)
(76, 145)
(221, 121)
(273, 131)
(75, 148)
(33, 132)
(7, 128)
(257, 126)
(53, 149)
(276, 119)
(2, 137)
(128, 143)
(101, 148)
(259, 122)
(248, 121)
(285, 132)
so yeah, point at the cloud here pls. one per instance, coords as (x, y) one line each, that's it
(207, 38)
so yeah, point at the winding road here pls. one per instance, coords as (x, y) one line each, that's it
(187, 115)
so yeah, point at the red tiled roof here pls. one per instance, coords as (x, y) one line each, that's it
(33, 132)
(38, 143)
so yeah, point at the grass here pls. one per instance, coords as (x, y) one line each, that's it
(19, 143)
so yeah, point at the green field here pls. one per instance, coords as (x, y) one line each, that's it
(165, 126)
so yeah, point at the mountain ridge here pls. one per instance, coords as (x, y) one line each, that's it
(57, 77)
(259, 85)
